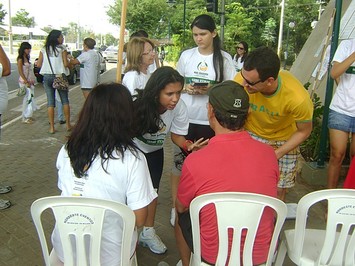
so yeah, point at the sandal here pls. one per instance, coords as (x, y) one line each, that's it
(5, 189)
(4, 204)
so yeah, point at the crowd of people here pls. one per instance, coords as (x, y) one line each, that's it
(224, 115)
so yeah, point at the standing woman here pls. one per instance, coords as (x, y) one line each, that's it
(241, 54)
(53, 56)
(158, 111)
(140, 55)
(27, 80)
(341, 122)
(201, 67)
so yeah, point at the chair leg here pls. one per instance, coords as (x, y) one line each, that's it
(281, 254)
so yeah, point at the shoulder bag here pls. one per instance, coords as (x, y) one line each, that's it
(60, 82)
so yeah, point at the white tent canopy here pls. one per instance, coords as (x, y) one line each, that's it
(16, 30)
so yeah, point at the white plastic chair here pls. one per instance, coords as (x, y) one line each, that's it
(82, 217)
(334, 246)
(237, 210)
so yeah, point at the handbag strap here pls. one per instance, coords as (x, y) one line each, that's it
(49, 62)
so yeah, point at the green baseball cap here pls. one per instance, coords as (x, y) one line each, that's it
(229, 98)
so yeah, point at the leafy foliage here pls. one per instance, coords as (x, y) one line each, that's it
(310, 147)
(254, 21)
(23, 19)
(2, 13)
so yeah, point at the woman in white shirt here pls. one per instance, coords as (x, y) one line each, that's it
(53, 61)
(100, 160)
(158, 110)
(140, 55)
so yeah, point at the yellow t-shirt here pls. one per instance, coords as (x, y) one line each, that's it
(274, 117)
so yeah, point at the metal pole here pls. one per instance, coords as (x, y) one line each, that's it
(279, 44)
(222, 20)
(330, 84)
(11, 51)
(184, 25)
(286, 51)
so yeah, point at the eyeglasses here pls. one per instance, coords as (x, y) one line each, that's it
(250, 83)
(240, 48)
(149, 52)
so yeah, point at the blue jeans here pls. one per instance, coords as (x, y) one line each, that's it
(341, 122)
(50, 91)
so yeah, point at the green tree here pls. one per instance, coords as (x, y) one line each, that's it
(268, 34)
(2, 13)
(22, 19)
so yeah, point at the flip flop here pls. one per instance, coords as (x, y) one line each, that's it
(5, 189)
(4, 204)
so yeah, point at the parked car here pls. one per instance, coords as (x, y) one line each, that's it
(74, 74)
(110, 54)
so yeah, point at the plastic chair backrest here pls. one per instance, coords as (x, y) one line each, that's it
(81, 218)
(339, 243)
(249, 208)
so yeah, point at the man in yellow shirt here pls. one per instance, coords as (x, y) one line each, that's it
(280, 110)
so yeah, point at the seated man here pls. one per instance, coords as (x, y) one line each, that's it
(232, 161)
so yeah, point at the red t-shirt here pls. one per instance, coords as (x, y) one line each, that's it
(230, 162)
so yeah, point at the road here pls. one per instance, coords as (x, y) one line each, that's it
(14, 108)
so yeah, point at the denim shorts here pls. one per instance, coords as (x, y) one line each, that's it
(341, 122)
(50, 91)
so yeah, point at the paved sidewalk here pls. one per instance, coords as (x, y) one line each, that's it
(28, 154)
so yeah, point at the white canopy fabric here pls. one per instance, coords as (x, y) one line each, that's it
(25, 31)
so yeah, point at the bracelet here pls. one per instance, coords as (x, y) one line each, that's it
(184, 146)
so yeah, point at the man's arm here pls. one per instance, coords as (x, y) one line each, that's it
(303, 131)
(5, 62)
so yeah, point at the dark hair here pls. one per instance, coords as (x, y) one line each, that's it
(246, 48)
(139, 33)
(52, 42)
(105, 125)
(146, 103)
(206, 22)
(21, 51)
(265, 61)
(90, 43)
(230, 122)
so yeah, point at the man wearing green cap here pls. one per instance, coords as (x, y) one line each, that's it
(226, 164)
(281, 111)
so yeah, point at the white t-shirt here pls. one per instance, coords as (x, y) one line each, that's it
(135, 80)
(89, 68)
(196, 67)
(4, 92)
(56, 62)
(238, 64)
(127, 181)
(175, 120)
(344, 98)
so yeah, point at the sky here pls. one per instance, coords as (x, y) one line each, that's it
(87, 13)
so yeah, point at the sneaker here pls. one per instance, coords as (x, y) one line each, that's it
(148, 238)
(5, 189)
(291, 210)
(4, 204)
(172, 217)
(62, 122)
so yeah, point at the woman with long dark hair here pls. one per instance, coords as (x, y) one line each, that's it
(201, 67)
(158, 111)
(100, 160)
(26, 80)
(53, 62)
(240, 55)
